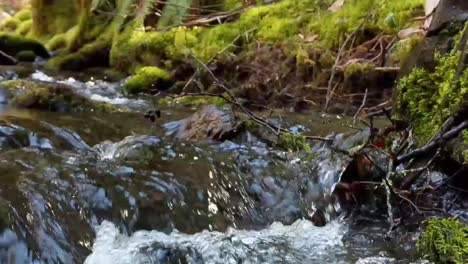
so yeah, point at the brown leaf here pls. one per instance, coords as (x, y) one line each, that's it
(336, 5)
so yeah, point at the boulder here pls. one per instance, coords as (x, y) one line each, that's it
(211, 122)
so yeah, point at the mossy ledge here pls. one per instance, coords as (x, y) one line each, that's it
(147, 79)
(50, 97)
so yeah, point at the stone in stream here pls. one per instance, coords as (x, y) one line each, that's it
(210, 122)
(55, 97)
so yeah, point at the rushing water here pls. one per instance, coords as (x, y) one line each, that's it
(84, 188)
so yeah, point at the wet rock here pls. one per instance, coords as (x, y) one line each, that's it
(211, 122)
(55, 97)
(131, 148)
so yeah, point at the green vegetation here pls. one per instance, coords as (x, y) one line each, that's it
(25, 27)
(428, 98)
(147, 79)
(402, 50)
(10, 24)
(13, 43)
(193, 100)
(23, 15)
(358, 69)
(293, 142)
(444, 241)
(93, 54)
(57, 42)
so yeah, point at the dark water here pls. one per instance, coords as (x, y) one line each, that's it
(79, 184)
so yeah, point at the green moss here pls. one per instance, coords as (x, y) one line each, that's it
(26, 55)
(23, 15)
(332, 27)
(444, 241)
(403, 49)
(9, 24)
(57, 42)
(193, 100)
(146, 79)
(327, 60)
(25, 27)
(428, 98)
(358, 69)
(293, 142)
(13, 43)
(94, 54)
(50, 97)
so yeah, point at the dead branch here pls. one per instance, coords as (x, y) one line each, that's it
(338, 57)
(433, 144)
(364, 100)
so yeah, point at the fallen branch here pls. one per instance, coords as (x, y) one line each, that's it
(433, 144)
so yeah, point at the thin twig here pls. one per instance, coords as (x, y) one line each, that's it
(364, 100)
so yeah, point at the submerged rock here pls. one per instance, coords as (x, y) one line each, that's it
(54, 97)
(210, 122)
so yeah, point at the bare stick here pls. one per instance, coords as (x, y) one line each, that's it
(364, 100)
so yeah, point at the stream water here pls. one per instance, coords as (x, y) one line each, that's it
(110, 188)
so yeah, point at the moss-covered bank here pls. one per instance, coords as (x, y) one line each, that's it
(294, 41)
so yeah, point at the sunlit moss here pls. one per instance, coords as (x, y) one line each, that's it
(9, 24)
(444, 241)
(23, 15)
(147, 79)
(25, 27)
(195, 100)
(92, 54)
(332, 27)
(428, 98)
(358, 68)
(57, 42)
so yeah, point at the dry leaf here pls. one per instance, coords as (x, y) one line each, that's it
(336, 5)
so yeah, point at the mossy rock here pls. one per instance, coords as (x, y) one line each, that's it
(94, 54)
(24, 28)
(57, 42)
(50, 97)
(23, 15)
(26, 56)
(193, 100)
(12, 44)
(10, 24)
(148, 78)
